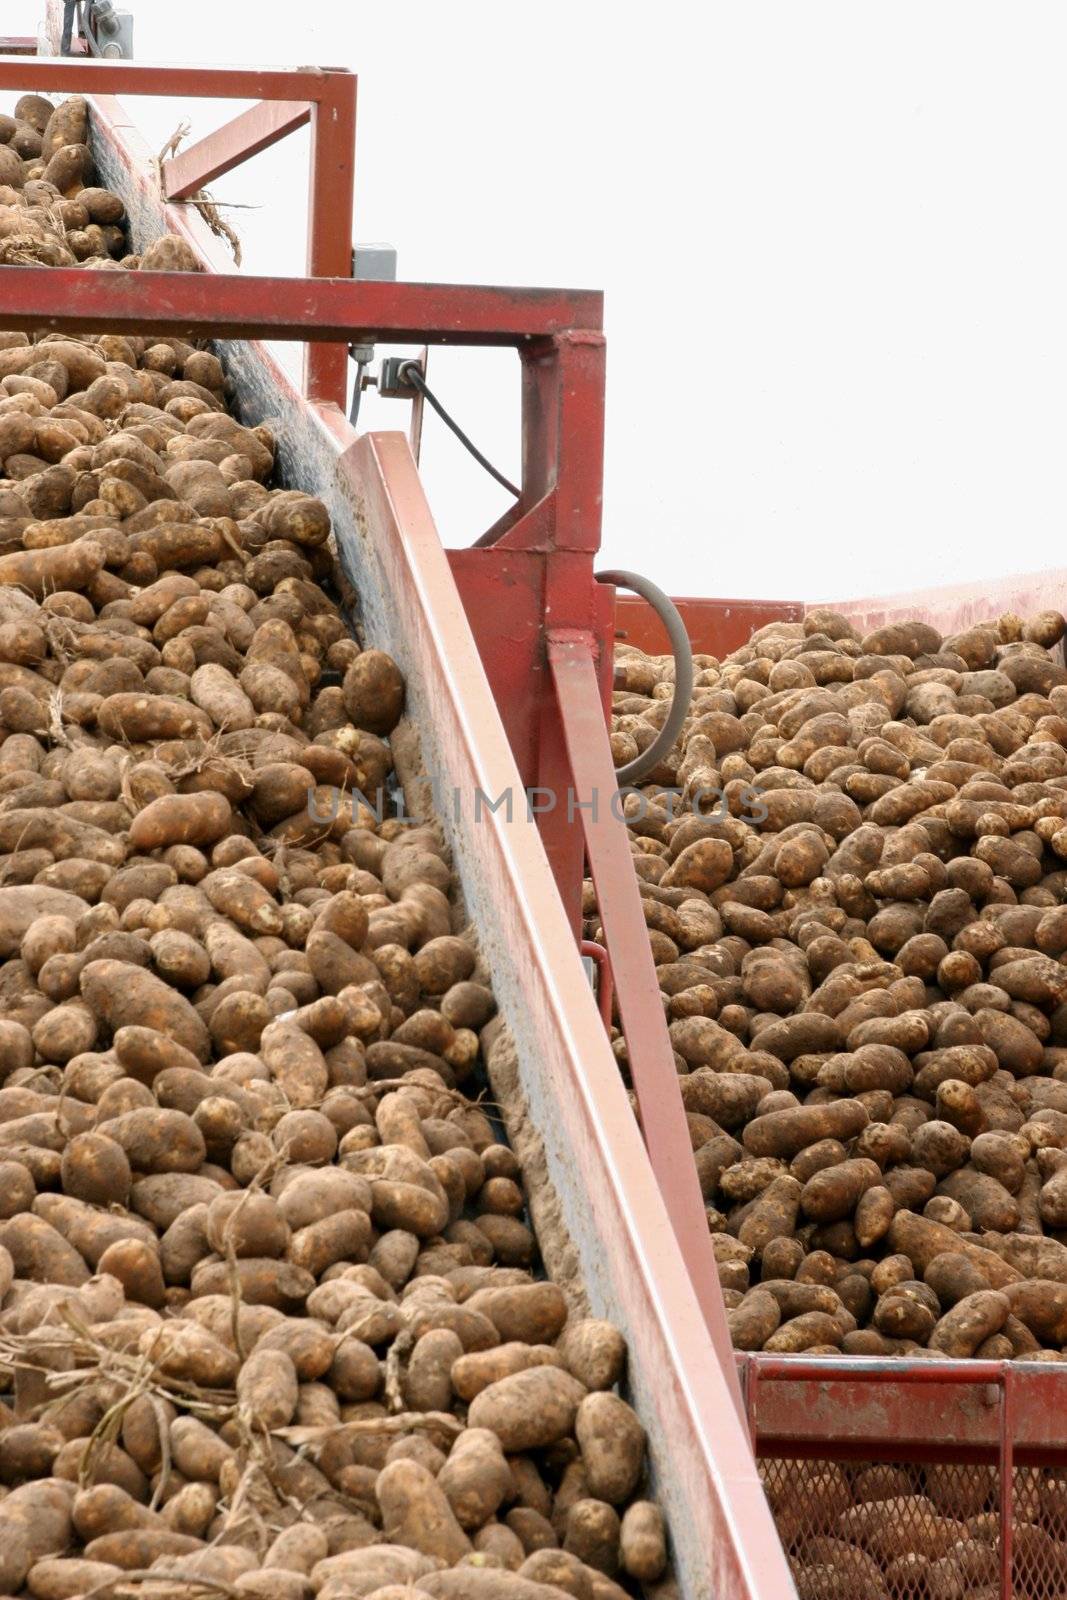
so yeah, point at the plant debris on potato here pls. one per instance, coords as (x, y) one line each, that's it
(271, 1321)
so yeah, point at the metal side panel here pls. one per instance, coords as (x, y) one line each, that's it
(960, 605)
(723, 1536)
(715, 627)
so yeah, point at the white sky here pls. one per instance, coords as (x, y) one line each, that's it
(831, 237)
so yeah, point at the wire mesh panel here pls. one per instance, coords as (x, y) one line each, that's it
(891, 1480)
(1039, 1555)
(892, 1531)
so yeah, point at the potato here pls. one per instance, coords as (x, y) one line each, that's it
(784, 1133)
(232, 1023)
(476, 1478)
(158, 1141)
(41, 572)
(594, 1352)
(528, 1313)
(921, 1241)
(122, 995)
(181, 819)
(529, 1409)
(642, 1541)
(753, 1321)
(35, 1520)
(612, 1443)
(416, 1512)
(472, 1583)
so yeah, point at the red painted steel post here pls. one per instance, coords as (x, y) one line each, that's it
(750, 1384)
(1007, 1482)
(652, 1068)
(569, 397)
(330, 207)
(605, 992)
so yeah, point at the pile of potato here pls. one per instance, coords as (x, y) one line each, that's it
(270, 1317)
(854, 871)
(887, 1531)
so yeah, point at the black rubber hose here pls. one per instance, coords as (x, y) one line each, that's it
(412, 374)
(669, 615)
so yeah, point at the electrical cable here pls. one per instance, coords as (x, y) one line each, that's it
(412, 373)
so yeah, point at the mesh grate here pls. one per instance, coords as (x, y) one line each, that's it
(892, 1531)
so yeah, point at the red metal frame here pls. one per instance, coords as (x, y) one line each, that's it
(541, 555)
(923, 1411)
(572, 755)
(649, 1050)
(325, 309)
(323, 96)
(533, 572)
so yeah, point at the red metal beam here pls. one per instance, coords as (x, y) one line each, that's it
(194, 305)
(715, 627)
(17, 45)
(236, 141)
(894, 1408)
(329, 225)
(591, 804)
(95, 76)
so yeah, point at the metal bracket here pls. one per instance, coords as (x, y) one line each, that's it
(394, 384)
(105, 30)
(393, 381)
(374, 263)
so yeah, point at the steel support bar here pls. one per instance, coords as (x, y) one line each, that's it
(863, 1408)
(196, 305)
(236, 141)
(648, 1045)
(722, 1533)
(1007, 1481)
(95, 76)
(17, 45)
(329, 226)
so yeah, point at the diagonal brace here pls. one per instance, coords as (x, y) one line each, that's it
(236, 141)
(637, 993)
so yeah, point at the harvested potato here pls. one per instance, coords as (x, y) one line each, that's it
(282, 1265)
(854, 907)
